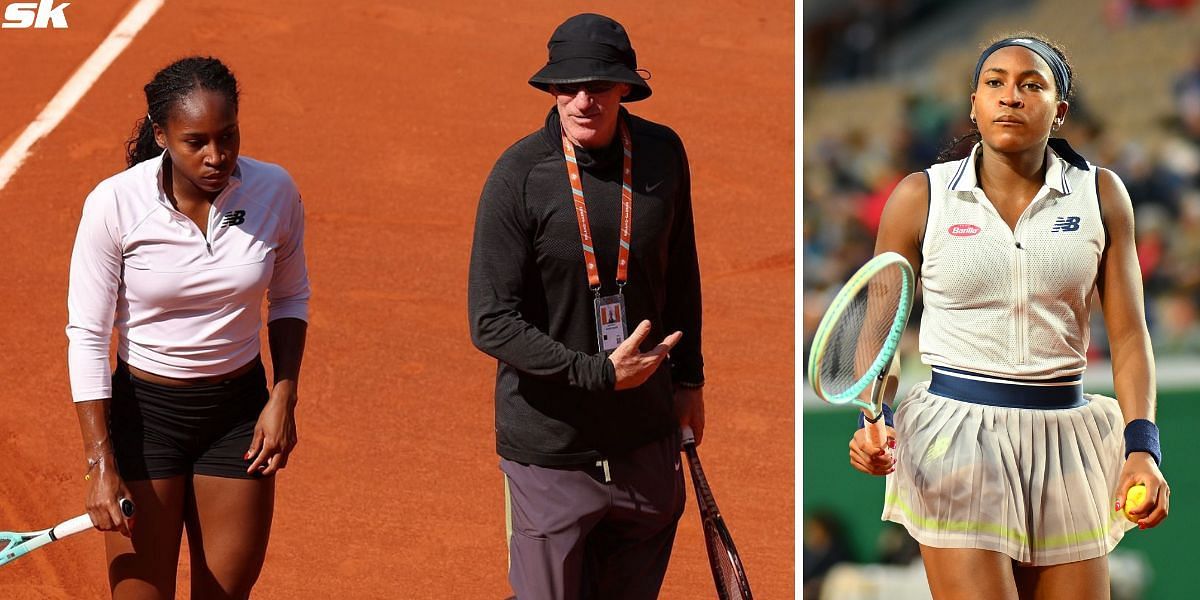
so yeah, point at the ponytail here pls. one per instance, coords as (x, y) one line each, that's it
(141, 146)
(959, 147)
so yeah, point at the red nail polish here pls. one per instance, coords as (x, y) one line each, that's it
(891, 443)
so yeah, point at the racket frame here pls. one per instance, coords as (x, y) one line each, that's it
(713, 524)
(875, 375)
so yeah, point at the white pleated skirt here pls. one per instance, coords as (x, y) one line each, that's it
(1037, 485)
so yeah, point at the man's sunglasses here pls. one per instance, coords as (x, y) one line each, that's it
(591, 87)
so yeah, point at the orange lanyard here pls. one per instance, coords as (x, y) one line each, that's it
(585, 231)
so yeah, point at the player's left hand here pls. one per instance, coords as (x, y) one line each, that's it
(689, 408)
(1141, 468)
(275, 433)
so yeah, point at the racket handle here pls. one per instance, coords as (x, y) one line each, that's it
(84, 522)
(877, 433)
(687, 436)
(73, 526)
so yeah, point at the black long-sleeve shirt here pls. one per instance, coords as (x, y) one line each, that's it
(530, 306)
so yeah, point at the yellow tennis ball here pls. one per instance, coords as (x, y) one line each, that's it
(1134, 499)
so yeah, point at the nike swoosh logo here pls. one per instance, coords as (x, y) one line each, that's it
(650, 188)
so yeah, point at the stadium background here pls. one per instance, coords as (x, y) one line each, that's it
(886, 84)
(389, 115)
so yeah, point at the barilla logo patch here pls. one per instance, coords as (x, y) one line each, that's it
(964, 230)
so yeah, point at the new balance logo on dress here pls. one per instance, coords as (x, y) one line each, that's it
(237, 217)
(1065, 224)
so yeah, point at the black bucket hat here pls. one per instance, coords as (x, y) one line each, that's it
(590, 47)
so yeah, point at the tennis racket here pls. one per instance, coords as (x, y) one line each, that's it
(15, 545)
(723, 559)
(857, 339)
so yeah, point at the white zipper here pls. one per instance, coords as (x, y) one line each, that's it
(1021, 291)
(213, 209)
(232, 185)
(1020, 287)
(1022, 320)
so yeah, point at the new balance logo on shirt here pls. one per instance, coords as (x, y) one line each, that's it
(237, 217)
(1065, 224)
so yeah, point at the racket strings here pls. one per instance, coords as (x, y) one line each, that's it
(859, 335)
(725, 572)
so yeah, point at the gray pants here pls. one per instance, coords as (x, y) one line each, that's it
(575, 536)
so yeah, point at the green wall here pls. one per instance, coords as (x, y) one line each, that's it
(830, 482)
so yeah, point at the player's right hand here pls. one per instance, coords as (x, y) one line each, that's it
(633, 366)
(871, 458)
(104, 494)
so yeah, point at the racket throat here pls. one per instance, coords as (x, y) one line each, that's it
(877, 388)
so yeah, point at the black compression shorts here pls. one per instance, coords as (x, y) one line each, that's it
(163, 431)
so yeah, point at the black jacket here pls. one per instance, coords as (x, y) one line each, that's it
(531, 308)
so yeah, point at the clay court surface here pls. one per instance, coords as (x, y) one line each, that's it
(389, 118)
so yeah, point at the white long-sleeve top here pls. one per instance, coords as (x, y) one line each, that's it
(185, 302)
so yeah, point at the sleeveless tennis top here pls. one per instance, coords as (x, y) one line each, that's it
(1010, 302)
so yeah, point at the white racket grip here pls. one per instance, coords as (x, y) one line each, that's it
(84, 522)
(877, 433)
(686, 435)
(73, 526)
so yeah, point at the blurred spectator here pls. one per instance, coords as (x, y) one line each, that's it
(850, 40)
(825, 545)
(896, 547)
(1183, 255)
(1119, 13)
(1186, 93)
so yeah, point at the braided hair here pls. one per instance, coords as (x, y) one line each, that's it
(169, 86)
(959, 146)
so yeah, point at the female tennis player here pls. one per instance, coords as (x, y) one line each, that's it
(1004, 470)
(177, 252)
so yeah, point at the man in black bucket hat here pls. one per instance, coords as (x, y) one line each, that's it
(584, 258)
(591, 48)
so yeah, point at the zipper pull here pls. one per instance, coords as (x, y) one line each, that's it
(1019, 246)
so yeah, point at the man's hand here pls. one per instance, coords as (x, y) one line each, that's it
(634, 367)
(689, 407)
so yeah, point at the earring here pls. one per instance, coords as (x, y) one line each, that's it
(973, 120)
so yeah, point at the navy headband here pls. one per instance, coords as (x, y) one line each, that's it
(1062, 77)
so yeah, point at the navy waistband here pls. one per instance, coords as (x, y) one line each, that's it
(977, 388)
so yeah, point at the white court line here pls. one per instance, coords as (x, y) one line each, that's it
(75, 87)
